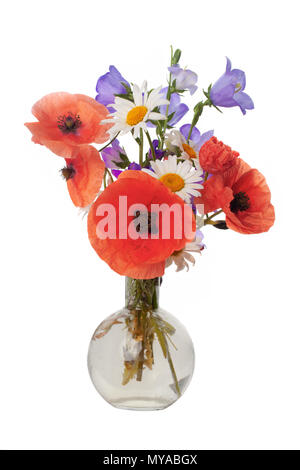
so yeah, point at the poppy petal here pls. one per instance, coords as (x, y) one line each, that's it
(88, 169)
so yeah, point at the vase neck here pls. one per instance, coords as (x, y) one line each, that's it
(142, 294)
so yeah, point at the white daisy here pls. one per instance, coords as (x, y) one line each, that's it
(189, 151)
(189, 148)
(181, 178)
(134, 115)
(183, 257)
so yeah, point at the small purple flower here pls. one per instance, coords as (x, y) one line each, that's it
(185, 79)
(112, 155)
(132, 166)
(109, 85)
(158, 152)
(196, 137)
(116, 173)
(228, 91)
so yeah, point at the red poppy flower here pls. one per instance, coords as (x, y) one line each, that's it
(84, 174)
(243, 194)
(141, 257)
(216, 157)
(66, 121)
(214, 194)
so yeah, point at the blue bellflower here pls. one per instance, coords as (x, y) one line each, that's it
(228, 91)
(109, 85)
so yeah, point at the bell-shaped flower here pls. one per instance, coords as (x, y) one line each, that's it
(176, 109)
(114, 156)
(228, 91)
(109, 85)
(185, 78)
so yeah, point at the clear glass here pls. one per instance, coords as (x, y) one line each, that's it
(141, 357)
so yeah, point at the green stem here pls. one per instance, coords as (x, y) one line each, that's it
(142, 352)
(165, 348)
(102, 148)
(168, 98)
(151, 145)
(142, 298)
(174, 374)
(141, 147)
(199, 109)
(207, 221)
(109, 174)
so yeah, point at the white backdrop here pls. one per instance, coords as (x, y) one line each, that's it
(240, 302)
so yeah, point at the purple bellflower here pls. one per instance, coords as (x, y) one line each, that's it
(112, 154)
(109, 85)
(185, 79)
(228, 91)
(179, 109)
(175, 107)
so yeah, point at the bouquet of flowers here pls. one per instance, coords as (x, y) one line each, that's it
(146, 214)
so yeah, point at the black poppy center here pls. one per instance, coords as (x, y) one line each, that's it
(145, 222)
(68, 172)
(69, 123)
(240, 202)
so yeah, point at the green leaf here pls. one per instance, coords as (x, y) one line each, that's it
(125, 97)
(171, 116)
(124, 157)
(145, 162)
(127, 87)
(216, 107)
(161, 338)
(121, 165)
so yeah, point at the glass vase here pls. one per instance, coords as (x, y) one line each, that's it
(141, 357)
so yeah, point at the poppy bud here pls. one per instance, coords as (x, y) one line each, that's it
(221, 224)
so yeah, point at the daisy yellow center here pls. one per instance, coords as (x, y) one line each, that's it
(173, 181)
(189, 150)
(136, 115)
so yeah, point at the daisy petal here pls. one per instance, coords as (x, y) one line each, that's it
(137, 95)
(156, 116)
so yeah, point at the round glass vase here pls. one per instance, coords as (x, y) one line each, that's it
(141, 357)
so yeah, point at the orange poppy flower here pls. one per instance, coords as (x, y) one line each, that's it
(216, 157)
(141, 257)
(84, 174)
(66, 121)
(243, 194)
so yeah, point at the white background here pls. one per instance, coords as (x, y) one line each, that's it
(241, 301)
